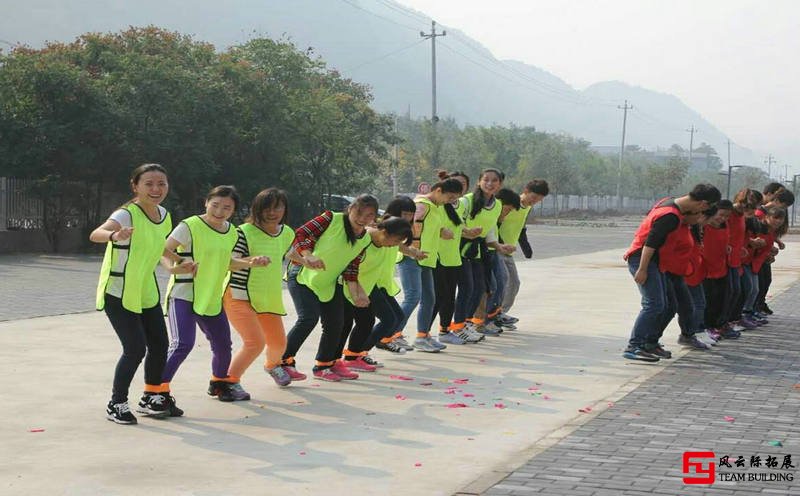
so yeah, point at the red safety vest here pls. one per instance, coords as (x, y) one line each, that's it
(696, 270)
(736, 228)
(715, 251)
(761, 255)
(674, 255)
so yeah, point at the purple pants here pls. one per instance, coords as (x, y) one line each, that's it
(182, 333)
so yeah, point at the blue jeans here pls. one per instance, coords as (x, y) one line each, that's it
(750, 289)
(678, 300)
(418, 289)
(499, 280)
(471, 287)
(698, 295)
(654, 304)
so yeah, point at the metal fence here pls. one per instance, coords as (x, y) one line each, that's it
(554, 204)
(19, 209)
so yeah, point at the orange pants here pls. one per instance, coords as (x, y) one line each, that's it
(257, 331)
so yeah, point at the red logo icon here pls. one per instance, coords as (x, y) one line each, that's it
(698, 472)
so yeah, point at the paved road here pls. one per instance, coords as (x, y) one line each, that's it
(44, 285)
(739, 401)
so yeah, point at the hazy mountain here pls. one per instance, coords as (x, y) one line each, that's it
(378, 42)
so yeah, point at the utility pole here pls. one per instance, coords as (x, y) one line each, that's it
(395, 161)
(691, 132)
(786, 173)
(432, 36)
(769, 161)
(728, 192)
(625, 109)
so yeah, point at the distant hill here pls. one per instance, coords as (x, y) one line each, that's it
(378, 42)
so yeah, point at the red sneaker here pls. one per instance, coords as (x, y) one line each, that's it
(360, 364)
(294, 373)
(327, 375)
(340, 369)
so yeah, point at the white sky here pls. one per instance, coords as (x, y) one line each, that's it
(734, 61)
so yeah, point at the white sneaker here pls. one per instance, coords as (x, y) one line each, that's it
(706, 338)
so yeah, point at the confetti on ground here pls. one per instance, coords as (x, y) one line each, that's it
(533, 388)
(444, 379)
(401, 378)
(585, 409)
(610, 404)
(482, 360)
(499, 405)
(298, 402)
(775, 443)
(456, 405)
(418, 464)
(460, 381)
(469, 395)
(315, 385)
(470, 439)
(302, 453)
(545, 397)
(426, 384)
(728, 418)
(400, 397)
(35, 430)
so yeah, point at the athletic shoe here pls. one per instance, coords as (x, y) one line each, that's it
(506, 326)
(451, 338)
(403, 343)
(508, 318)
(735, 326)
(435, 343)
(489, 329)
(174, 411)
(424, 344)
(153, 405)
(640, 355)
(279, 375)
(766, 309)
(391, 346)
(693, 342)
(368, 359)
(342, 370)
(228, 391)
(760, 318)
(748, 324)
(470, 337)
(731, 333)
(295, 374)
(659, 351)
(358, 364)
(327, 374)
(710, 336)
(120, 413)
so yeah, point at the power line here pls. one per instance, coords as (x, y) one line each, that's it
(355, 6)
(402, 10)
(381, 57)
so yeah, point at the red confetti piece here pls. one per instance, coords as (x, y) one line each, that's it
(35, 430)
(315, 385)
(456, 405)
(728, 418)
(499, 405)
(545, 397)
(460, 381)
(450, 391)
(533, 388)
(302, 453)
(482, 360)
(585, 409)
(610, 404)
(400, 397)
(468, 395)
(401, 378)
(418, 464)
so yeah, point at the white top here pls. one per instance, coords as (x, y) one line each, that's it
(123, 218)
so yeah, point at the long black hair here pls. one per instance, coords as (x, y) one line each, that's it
(397, 227)
(361, 202)
(478, 198)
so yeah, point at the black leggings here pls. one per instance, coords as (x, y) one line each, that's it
(446, 281)
(366, 333)
(716, 297)
(142, 335)
(764, 281)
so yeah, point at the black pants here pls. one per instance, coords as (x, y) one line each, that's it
(310, 311)
(764, 280)
(143, 336)
(366, 334)
(446, 281)
(716, 298)
(735, 295)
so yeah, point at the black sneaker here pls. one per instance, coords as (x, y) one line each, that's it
(660, 352)
(120, 413)
(640, 354)
(228, 391)
(392, 347)
(153, 405)
(173, 409)
(693, 342)
(766, 309)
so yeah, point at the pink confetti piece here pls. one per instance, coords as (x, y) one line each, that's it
(298, 402)
(456, 405)
(450, 391)
(426, 384)
(401, 378)
(469, 395)
(460, 381)
(418, 464)
(728, 418)
(35, 430)
(400, 397)
(302, 453)
(545, 397)
(482, 360)
(610, 404)
(586, 409)
(533, 388)
(499, 405)
(315, 385)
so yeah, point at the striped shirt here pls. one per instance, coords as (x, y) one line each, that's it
(306, 237)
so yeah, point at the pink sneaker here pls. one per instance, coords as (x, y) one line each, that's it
(294, 373)
(327, 375)
(340, 369)
(360, 364)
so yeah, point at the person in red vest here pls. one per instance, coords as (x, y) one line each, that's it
(744, 204)
(661, 245)
(716, 247)
(775, 195)
(692, 324)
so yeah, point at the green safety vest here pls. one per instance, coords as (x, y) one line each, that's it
(211, 250)
(335, 250)
(139, 287)
(264, 285)
(386, 280)
(431, 235)
(485, 219)
(449, 253)
(373, 268)
(512, 225)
